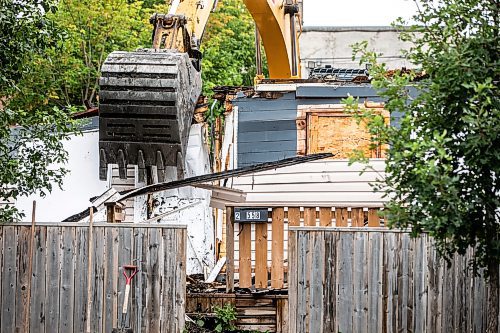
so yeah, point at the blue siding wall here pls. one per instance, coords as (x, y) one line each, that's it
(266, 127)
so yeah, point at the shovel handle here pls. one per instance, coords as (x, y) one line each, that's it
(125, 299)
(131, 276)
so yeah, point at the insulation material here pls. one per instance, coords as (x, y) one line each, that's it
(187, 205)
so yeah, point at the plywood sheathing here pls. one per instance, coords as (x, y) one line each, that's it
(329, 128)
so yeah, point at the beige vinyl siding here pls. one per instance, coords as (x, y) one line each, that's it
(325, 183)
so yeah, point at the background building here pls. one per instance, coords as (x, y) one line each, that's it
(329, 45)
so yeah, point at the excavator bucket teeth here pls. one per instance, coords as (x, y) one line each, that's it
(146, 104)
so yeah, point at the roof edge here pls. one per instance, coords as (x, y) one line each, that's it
(349, 28)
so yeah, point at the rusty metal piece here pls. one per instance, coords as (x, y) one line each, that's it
(92, 112)
(171, 33)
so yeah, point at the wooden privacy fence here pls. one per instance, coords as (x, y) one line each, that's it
(58, 300)
(375, 280)
(261, 249)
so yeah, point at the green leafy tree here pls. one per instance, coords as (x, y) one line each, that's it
(152, 3)
(94, 29)
(31, 131)
(228, 47)
(443, 164)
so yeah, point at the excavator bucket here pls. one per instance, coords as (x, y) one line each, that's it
(146, 104)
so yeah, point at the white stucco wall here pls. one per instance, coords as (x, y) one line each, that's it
(332, 46)
(80, 184)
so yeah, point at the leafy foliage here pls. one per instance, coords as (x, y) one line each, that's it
(443, 164)
(31, 130)
(223, 322)
(225, 317)
(51, 58)
(228, 47)
(94, 29)
(25, 31)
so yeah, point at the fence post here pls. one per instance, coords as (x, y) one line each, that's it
(30, 263)
(277, 253)
(89, 267)
(293, 221)
(229, 250)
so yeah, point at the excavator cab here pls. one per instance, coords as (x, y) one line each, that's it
(147, 97)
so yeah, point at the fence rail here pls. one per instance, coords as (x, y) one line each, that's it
(371, 280)
(258, 252)
(55, 297)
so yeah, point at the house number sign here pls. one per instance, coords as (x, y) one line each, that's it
(250, 214)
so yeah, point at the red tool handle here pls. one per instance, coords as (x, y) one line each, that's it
(131, 276)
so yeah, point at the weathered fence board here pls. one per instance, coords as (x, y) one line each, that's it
(52, 280)
(153, 279)
(374, 280)
(38, 284)
(81, 260)
(1, 271)
(261, 249)
(67, 296)
(59, 277)
(9, 280)
(23, 248)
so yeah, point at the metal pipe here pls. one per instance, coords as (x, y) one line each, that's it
(293, 36)
(212, 133)
(258, 54)
(173, 7)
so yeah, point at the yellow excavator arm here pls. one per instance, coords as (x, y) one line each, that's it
(277, 24)
(276, 21)
(147, 97)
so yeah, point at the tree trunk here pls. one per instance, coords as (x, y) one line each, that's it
(493, 299)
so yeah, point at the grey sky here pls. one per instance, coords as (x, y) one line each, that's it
(356, 12)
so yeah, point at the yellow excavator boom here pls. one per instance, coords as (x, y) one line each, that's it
(277, 24)
(275, 20)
